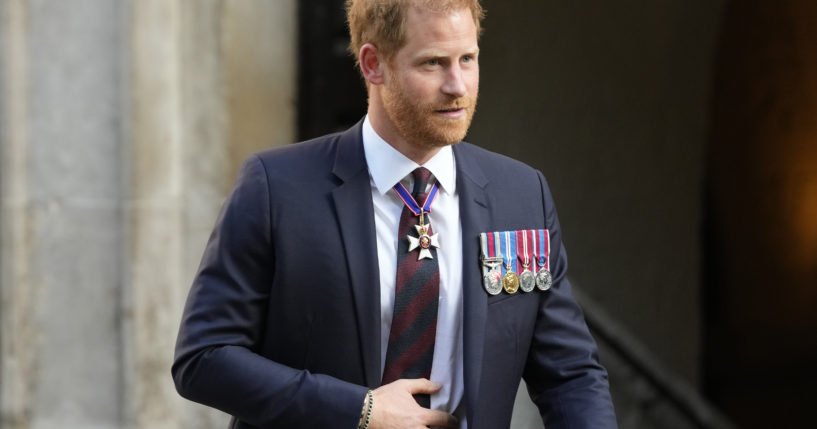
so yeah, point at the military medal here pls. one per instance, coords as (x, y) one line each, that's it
(425, 241)
(544, 279)
(491, 279)
(527, 280)
(507, 261)
(510, 281)
(492, 282)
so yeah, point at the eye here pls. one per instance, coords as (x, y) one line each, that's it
(432, 62)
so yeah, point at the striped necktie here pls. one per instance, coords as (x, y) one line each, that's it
(414, 324)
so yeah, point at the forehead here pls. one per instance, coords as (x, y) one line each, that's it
(450, 32)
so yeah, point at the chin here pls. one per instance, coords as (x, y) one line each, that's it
(451, 134)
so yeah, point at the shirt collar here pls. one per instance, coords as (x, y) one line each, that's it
(387, 166)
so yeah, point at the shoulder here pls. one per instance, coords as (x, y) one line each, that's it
(497, 168)
(298, 159)
(321, 158)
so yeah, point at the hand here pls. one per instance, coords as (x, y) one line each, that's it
(395, 408)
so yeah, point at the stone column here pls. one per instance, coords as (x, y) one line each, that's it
(60, 360)
(211, 82)
(153, 211)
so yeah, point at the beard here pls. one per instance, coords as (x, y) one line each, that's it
(421, 123)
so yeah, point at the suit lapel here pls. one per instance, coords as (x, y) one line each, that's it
(475, 216)
(353, 202)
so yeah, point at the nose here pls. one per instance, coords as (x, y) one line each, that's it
(454, 84)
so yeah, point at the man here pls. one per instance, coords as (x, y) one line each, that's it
(330, 295)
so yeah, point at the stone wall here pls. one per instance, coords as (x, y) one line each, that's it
(61, 225)
(123, 125)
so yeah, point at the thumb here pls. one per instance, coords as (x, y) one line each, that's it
(422, 385)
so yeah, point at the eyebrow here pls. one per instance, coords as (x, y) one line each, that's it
(439, 54)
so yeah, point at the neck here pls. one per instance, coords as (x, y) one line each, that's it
(386, 130)
(418, 155)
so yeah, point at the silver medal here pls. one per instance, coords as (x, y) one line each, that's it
(527, 280)
(544, 279)
(492, 282)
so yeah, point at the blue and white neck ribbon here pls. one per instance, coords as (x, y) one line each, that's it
(412, 205)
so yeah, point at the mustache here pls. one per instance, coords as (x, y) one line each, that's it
(459, 103)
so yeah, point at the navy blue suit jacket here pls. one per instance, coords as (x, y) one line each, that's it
(282, 324)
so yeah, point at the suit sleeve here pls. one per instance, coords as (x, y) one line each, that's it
(216, 362)
(563, 373)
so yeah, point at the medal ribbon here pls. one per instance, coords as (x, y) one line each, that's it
(543, 258)
(509, 258)
(412, 205)
(488, 248)
(523, 252)
(498, 250)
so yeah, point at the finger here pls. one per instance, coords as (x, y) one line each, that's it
(422, 385)
(440, 419)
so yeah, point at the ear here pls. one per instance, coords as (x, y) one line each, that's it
(372, 66)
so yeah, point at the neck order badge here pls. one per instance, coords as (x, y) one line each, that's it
(424, 240)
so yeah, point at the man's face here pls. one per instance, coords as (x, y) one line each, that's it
(431, 86)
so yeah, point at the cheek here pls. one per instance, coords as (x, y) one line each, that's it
(472, 80)
(423, 86)
(425, 89)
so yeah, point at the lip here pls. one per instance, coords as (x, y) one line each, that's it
(452, 113)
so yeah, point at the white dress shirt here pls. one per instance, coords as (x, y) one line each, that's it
(387, 166)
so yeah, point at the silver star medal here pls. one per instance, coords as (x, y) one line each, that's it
(425, 242)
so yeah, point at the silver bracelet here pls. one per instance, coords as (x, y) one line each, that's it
(364, 424)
